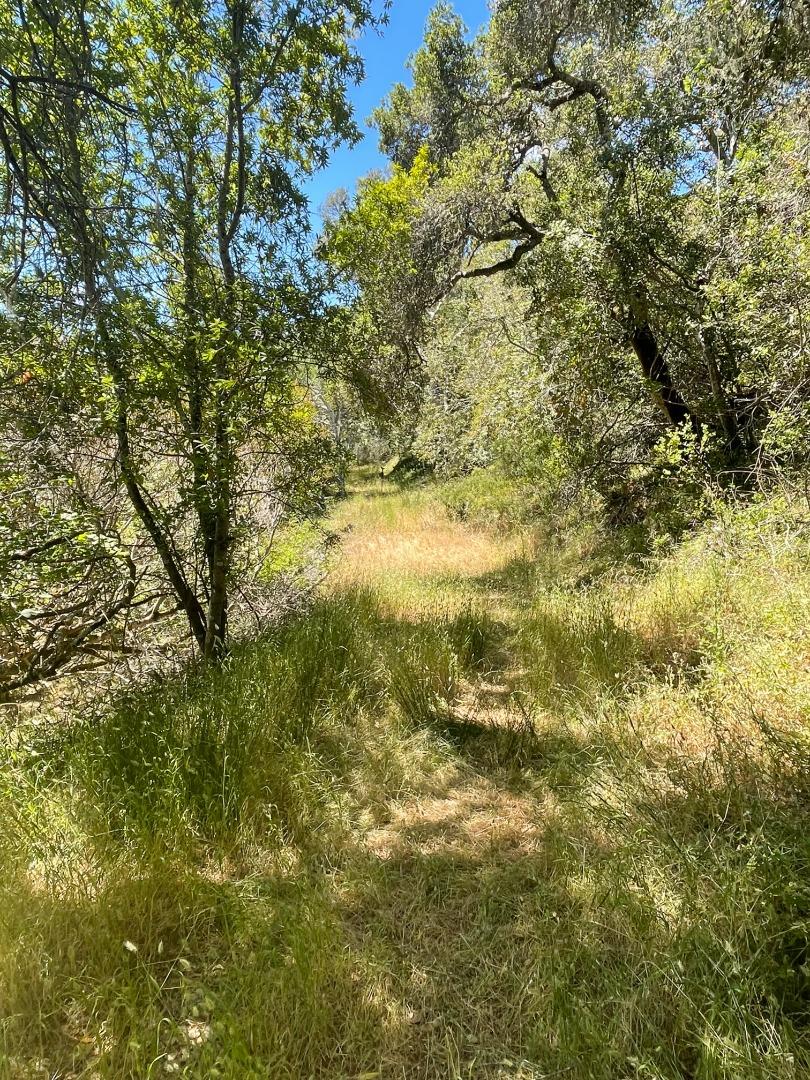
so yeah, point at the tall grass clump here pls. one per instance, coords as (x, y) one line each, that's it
(428, 660)
(423, 674)
(473, 635)
(203, 753)
(572, 644)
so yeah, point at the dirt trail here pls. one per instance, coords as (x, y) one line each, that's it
(423, 562)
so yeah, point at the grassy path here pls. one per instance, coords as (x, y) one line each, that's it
(425, 568)
(497, 807)
(450, 860)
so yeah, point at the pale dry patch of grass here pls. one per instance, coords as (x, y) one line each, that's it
(437, 550)
(406, 547)
(476, 817)
(491, 699)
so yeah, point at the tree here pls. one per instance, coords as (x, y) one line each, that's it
(156, 227)
(600, 165)
(435, 112)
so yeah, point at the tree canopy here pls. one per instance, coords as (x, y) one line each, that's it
(632, 178)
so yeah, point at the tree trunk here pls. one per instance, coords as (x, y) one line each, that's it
(183, 591)
(232, 185)
(656, 370)
(217, 623)
(90, 254)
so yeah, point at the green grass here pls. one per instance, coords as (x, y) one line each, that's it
(501, 805)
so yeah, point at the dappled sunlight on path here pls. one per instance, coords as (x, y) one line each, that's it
(475, 816)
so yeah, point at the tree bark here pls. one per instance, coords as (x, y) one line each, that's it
(228, 222)
(656, 371)
(728, 419)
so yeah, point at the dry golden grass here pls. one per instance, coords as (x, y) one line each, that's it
(408, 549)
(474, 816)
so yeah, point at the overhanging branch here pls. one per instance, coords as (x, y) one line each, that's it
(528, 237)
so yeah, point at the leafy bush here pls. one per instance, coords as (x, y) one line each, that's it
(487, 498)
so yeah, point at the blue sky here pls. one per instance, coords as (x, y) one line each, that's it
(385, 56)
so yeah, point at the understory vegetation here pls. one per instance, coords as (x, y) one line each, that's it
(508, 801)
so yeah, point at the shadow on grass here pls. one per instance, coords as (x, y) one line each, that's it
(519, 756)
(595, 943)
(550, 559)
(517, 579)
(185, 970)
(371, 493)
(199, 756)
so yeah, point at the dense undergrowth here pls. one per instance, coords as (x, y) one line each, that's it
(505, 803)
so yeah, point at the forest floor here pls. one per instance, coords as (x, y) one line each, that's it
(506, 803)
